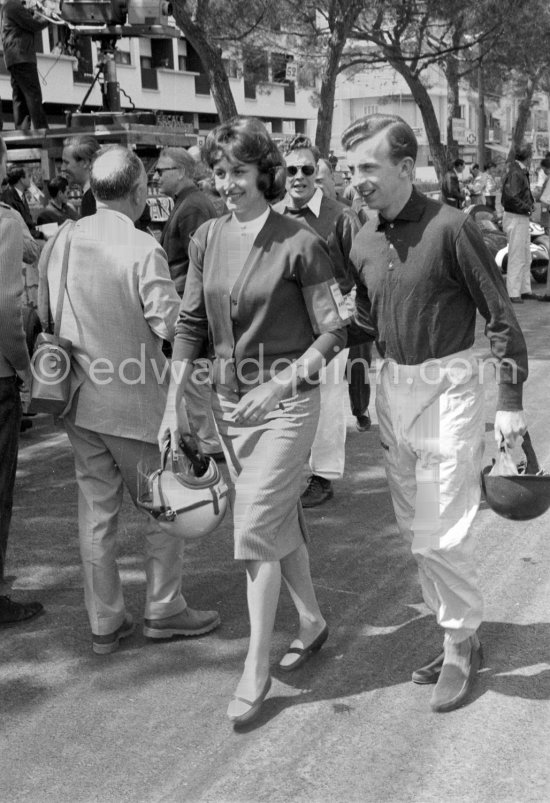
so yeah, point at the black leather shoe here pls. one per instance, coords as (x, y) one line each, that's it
(529, 296)
(362, 423)
(460, 667)
(428, 673)
(318, 490)
(12, 613)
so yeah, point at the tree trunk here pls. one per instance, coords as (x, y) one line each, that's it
(450, 68)
(524, 107)
(343, 14)
(325, 113)
(420, 94)
(211, 59)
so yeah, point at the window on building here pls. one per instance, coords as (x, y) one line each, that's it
(162, 53)
(255, 70)
(194, 64)
(202, 84)
(231, 68)
(208, 121)
(123, 56)
(182, 55)
(278, 67)
(149, 79)
(81, 48)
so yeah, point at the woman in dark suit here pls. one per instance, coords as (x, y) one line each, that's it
(262, 285)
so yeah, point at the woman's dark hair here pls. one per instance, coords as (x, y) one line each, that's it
(247, 140)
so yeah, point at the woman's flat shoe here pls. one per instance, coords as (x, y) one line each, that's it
(253, 707)
(304, 653)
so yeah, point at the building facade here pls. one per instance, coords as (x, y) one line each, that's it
(164, 76)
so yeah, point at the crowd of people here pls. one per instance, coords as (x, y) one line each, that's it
(518, 197)
(273, 295)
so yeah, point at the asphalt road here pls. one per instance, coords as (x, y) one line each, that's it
(147, 724)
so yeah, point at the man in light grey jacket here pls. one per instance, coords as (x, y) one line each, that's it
(120, 304)
(14, 368)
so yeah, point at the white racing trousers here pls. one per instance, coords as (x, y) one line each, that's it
(328, 452)
(432, 429)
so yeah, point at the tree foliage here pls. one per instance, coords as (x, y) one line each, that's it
(209, 25)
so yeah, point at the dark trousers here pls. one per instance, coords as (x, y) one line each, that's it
(27, 97)
(359, 360)
(10, 421)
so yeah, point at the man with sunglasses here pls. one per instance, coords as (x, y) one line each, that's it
(175, 176)
(337, 224)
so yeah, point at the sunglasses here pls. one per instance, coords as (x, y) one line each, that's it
(307, 170)
(161, 170)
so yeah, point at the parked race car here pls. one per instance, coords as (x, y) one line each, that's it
(494, 237)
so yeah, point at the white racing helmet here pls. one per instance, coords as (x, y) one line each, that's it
(187, 495)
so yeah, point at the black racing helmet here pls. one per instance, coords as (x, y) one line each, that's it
(519, 497)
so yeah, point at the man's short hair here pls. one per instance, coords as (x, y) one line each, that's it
(300, 142)
(115, 171)
(15, 174)
(57, 185)
(459, 163)
(401, 138)
(523, 152)
(327, 164)
(181, 159)
(84, 148)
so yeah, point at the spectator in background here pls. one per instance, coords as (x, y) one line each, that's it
(325, 181)
(451, 191)
(491, 185)
(476, 185)
(14, 369)
(518, 203)
(360, 356)
(337, 225)
(19, 26)
(175, 175)
(76, 163)
(15, 196)
(58, 210)
(357, 203)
